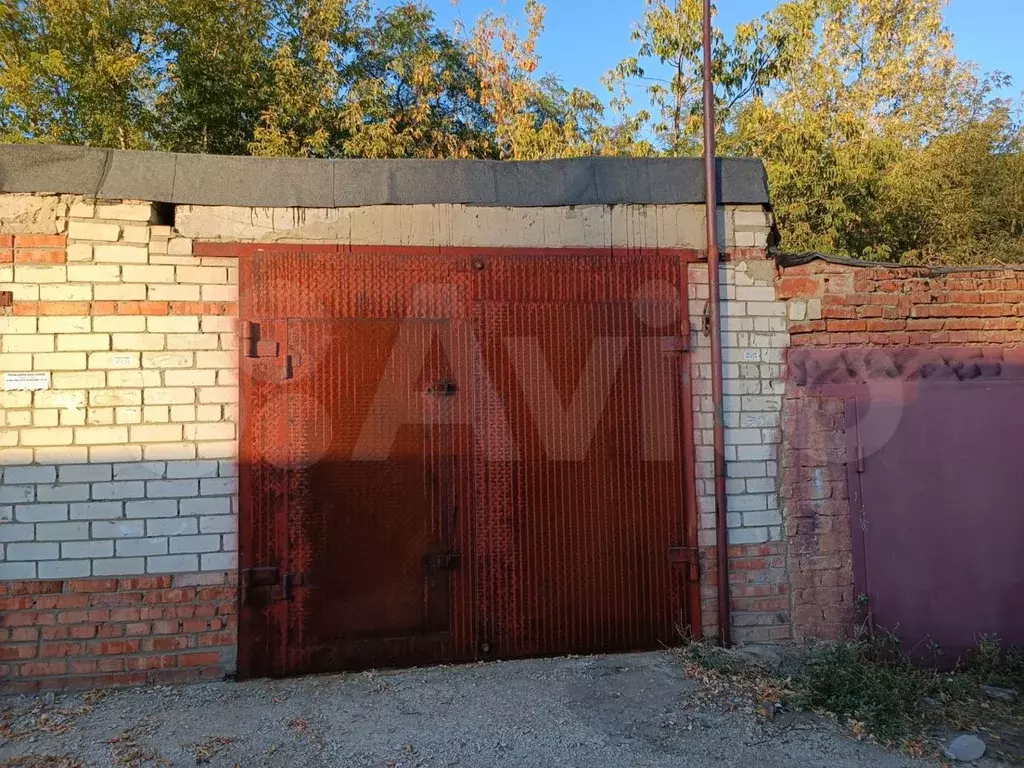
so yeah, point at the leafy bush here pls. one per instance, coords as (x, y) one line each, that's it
(872, 682)
(888, 695)
(991, 664)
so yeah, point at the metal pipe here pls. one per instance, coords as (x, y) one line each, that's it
(693, 616)
(714, 304)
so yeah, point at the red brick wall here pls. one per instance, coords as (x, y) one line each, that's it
(93, 633)
(759, 600)
(814, 495)
(902, 306)
(923, 317)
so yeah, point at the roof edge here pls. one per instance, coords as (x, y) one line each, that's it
(306, 183)
(786, 260)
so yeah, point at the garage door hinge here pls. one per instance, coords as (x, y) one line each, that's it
(254, 345)
(675, 344)
(280, 587)
(686, 556)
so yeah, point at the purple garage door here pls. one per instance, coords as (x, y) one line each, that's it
(938, 512)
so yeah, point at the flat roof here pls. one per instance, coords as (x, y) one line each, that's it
(289, 182)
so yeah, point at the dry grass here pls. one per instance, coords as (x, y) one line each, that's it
(873, 688)
(206, 749)
(39, 717)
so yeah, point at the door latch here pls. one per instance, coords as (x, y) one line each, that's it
(442, 388)
(674, 344)
(269, 578)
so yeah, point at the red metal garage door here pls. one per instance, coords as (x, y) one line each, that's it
(937, 517)
(458, 456)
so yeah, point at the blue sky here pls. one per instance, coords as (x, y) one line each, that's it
(583, 39)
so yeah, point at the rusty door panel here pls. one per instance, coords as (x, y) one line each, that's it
(368, 458)
(572, 536)
(530, 480)
(938, 521)
(292, 284)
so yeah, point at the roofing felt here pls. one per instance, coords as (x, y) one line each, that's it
(313, 183)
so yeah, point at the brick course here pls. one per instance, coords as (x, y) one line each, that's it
(904, 306)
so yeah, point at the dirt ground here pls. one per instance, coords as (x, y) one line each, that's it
(596, 712)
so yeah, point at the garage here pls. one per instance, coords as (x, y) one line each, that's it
(308, 415)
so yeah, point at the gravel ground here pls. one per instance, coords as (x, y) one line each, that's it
(596, 712)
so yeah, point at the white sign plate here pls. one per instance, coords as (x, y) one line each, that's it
(122, 361)
(751, 355)
(29, 380)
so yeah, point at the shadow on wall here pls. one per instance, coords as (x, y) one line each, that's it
(117, 519)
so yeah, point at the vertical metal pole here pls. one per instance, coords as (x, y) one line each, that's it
(714, 303)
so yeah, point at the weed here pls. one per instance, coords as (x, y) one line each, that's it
(872, 683)
(991, 664)
(878, 689)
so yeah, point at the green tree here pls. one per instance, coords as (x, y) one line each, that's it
(960, 199)
(537, 117)
(413, 92)
(310, 67)
(873, 81)
(669, 66)
(217, 79)
(78, 72)
(839, 98)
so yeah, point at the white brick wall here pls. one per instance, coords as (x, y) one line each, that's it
(754, 337)
(126, 464)
(116, 519)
